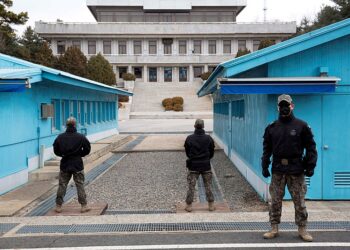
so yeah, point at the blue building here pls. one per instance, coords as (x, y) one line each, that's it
(35, 102)
(315, 69)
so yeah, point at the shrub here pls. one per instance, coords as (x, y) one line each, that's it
(266, 43)
(168, 107)
(178, 100)
(167, 102)
(178, 107)
(205, 75)
(123, 98)
(128, 77)
(120, 105)
(242, 52)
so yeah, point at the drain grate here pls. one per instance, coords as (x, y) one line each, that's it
(37, 229)
(50, 202)
(214, 188)
(5, 227)
(174, 227)
(134, 143)
(116, 212)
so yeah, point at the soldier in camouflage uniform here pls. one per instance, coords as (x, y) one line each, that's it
(199, 150)
(286, 139)
(71, 146)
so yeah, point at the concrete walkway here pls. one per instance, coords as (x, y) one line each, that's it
(161, 126)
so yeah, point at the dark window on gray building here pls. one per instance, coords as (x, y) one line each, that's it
(76, 44)
(183, 74)
(211, 68)
(106, 16)
(197, 47)
(256, 44)
(107, 47)
(137, 47)
(167, 49)
(182, 47)
(152, 17)
(122, 47)
(61, 47)
(213, 17)
(152, 74)
(122, 17)
(242, 44)
(166, 17)
(122, 70)
(182, 17)
(212, 46)
(92, 47)
(152, 47)
(227, 46)
(197, 71)
(138, 72)
(168, 74)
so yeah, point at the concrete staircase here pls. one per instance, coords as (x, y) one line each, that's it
(147, 101)
(98, 149)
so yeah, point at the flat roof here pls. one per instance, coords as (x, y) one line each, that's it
(166, 5)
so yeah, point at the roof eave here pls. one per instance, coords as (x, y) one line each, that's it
(210, 82)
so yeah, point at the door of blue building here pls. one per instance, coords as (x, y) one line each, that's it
(336, 147)
(308, 108)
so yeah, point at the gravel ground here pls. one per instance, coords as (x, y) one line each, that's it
(157, 180)
(142, 181)
(237, 191)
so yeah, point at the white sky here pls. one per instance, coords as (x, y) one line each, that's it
(77, 11)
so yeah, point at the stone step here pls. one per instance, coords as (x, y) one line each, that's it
(171, 115)
(98, 149)
(148, 97)
(52, 163)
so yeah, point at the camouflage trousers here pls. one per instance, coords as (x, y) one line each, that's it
(64, 178)
(297, 189)
(192, 177)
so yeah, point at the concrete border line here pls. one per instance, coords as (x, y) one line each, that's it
(205, 246)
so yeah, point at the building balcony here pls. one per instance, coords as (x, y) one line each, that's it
(144, 30)
(173, 60)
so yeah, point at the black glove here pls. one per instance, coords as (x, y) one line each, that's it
(265, 172)
(309, 172)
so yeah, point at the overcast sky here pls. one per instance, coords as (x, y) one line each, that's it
(76, 10)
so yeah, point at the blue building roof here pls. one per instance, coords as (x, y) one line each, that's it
(12, 68)
(306, 41)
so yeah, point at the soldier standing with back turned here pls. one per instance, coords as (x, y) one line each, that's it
(286, 139)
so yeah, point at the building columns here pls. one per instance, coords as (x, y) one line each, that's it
(190, 73)
(145, 74)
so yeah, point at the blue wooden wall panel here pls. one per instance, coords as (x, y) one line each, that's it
(334, 55)
(247, 132)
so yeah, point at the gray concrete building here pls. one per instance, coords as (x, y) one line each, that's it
(163, 40)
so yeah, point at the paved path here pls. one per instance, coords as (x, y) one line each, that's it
(161, 126)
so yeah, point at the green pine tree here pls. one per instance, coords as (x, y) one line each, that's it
(7, 35)
(38, 49)
(73, 61)
(100, 70)
(326, 16)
